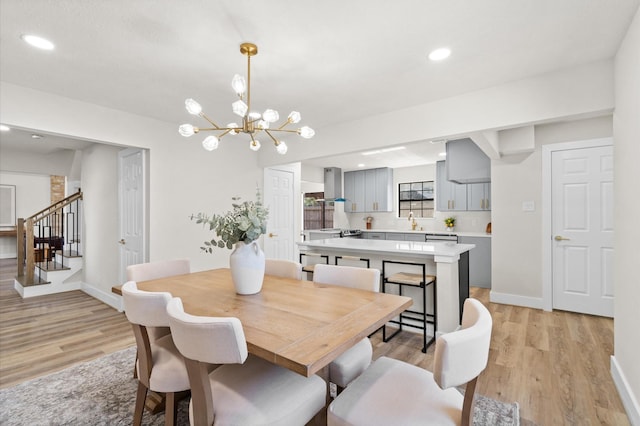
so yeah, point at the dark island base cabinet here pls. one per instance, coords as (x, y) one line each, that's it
(463, 280)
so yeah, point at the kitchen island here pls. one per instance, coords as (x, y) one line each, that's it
(448, 261)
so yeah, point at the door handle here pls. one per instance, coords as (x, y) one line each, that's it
(560, 238)
(121, 241)
(272, 235)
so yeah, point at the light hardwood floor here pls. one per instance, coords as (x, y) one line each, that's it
(43, 334)
(554, 364)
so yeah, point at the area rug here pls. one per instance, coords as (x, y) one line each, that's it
(103, 391)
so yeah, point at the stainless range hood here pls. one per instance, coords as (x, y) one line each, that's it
(332, 183)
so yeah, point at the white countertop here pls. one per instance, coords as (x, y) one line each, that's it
(412, 248)
(423, 231)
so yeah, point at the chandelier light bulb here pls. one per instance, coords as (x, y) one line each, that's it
(186, 130)
(262, 124)
(210, 143)
(306, 132)
(294, 117)
(254, 145)
(254, 115)
(234, 126)
(240, 108)
(239, 85)
(281, 148)
(192, 107)
(270, 115)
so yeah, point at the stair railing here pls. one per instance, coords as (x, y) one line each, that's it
(42, 235)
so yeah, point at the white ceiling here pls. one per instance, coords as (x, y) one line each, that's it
(334, 60)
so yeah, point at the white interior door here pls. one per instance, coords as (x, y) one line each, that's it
(132, 194)
(279, 198)
(582, 230)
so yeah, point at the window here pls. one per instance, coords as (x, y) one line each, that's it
(318, 213)
(416, 197)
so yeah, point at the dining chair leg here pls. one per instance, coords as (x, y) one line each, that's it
(141, 396)
(170, 411)
(135, 367)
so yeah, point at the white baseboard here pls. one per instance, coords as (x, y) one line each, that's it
(8, 255)
(514, 299)
(630, 402)
(110, 299)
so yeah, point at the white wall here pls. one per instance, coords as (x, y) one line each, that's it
(574, 92)
(516, 234)
(100, 222)
(58, 163)
(626, 129)
(33, 193)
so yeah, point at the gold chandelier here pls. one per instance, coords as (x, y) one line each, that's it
(252, 122)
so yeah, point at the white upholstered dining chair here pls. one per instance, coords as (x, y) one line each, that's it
(160, 366)
(244, 389)
(153, 271)
(356, 359)
(395, 392)
(283, 268)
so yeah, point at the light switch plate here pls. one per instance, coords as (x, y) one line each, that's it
(528, 206)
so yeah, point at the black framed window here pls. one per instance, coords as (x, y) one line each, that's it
(416, 197)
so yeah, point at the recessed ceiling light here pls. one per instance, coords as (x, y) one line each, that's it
(39, 42)
(443, 154)
(361, 165)
(36, 136)
(4, 128)
(381, 151)
(440, 54)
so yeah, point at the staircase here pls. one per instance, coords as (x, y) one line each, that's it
(50, 250)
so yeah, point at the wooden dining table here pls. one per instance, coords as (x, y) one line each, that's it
(299, 325)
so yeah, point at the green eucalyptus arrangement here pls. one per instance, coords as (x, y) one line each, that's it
(245, 222)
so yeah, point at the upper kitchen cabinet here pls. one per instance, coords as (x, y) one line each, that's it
(479, 196)
(378, 196)
(466, 163)
(450, 196)
(368, 191)
(354, 192)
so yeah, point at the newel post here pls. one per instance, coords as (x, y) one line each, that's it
(20, 246)
(31, 261)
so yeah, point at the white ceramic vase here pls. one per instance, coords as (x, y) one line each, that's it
(247, 268)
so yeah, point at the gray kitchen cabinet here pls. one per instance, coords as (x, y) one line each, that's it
(479, 261)
(354, 190)
(479, 196)
(378, 196)
(414, 237)
(450, 196)
(405, 236)
(395, 236)
(374, 235)
(368, 191)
